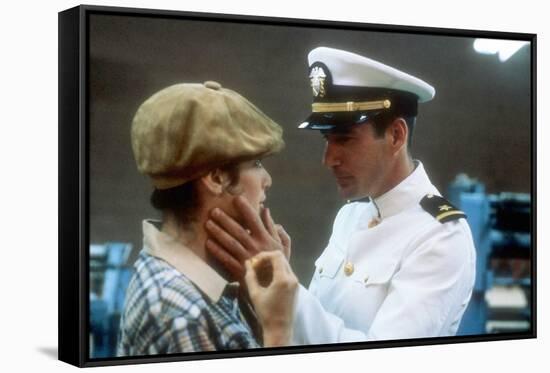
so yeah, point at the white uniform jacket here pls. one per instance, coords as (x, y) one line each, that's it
(391, 270)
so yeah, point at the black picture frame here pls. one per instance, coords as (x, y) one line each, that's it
(74, 180)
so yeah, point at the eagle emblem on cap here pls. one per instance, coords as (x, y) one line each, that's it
(317, 78)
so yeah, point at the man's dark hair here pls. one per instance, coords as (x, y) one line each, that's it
(183, 201)
(381, 122)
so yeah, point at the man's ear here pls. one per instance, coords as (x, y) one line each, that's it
(398, 133)
(215, 181)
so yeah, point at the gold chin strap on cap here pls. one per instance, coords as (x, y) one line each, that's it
(325, 107)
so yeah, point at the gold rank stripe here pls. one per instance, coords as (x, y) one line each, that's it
(324, 107)
(448, 213)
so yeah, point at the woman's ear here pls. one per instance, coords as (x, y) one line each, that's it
(215, 181)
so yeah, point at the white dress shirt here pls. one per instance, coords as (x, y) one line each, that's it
(390, 271)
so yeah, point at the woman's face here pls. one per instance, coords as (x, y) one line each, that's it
(254, 180)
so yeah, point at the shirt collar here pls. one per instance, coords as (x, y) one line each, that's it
(183, 259)
(406, 194)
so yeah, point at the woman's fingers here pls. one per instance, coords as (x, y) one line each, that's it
(275, 263)
(274, 300)
(250, 278)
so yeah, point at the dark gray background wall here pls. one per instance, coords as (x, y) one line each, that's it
(478, 123)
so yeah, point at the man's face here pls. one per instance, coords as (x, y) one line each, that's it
(358, 160)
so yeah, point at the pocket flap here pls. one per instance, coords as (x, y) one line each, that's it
(377, 273)
(328, 264)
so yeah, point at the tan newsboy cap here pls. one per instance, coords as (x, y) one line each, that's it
(185, 130)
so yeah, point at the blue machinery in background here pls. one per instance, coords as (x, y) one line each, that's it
(109, 278)
(501, 226)
(501, 299)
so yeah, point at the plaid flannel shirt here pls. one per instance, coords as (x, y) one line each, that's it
(176, 303)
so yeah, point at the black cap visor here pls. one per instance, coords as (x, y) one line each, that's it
(334, 121)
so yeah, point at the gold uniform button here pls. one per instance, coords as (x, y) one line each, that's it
(348, 268)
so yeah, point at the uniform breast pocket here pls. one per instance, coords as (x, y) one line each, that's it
(326, 283)
(365, 291)
(375, 274)
(328, 264)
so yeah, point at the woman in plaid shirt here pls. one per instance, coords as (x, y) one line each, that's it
(201, 146)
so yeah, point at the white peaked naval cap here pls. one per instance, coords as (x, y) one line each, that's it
(350, 69)
(351, 89)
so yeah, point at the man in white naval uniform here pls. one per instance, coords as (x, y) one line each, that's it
(406, 275)
(401, 260)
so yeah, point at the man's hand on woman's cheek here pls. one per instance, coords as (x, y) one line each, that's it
(232, 243)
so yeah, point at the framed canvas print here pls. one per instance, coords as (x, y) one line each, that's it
(235, 186)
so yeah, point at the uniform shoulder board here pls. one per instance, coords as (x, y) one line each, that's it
(441, 209)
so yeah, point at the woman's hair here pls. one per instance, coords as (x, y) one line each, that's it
(183, 200)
